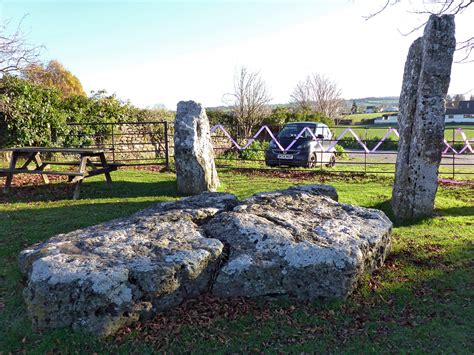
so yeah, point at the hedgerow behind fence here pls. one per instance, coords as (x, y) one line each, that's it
(32, 115)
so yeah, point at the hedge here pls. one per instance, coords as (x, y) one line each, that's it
(32, 115)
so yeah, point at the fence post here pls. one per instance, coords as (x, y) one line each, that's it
(322, 157)
(167, 159)
(365, 161)
(113, 143)
(454, 154)
(365, 151)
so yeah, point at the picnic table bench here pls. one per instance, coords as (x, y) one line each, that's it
(86, 166)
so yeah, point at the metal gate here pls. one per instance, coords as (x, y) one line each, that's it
(362, 149)
(125, 143)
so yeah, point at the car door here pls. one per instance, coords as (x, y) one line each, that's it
(328, 141)
(318, 132)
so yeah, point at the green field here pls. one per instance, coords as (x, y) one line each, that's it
(355, 163)
(358, 117)
(419, 302)
(374, 101)
(378, 131)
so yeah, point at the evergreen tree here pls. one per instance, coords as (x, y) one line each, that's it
(353, 108)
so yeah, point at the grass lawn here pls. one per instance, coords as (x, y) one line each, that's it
(383, 164)
(421, 301)
(358, 117)
(378, 131)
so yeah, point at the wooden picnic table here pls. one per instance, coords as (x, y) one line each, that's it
(86, 166)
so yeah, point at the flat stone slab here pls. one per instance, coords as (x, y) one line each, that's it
(297, 242)
(103, 277)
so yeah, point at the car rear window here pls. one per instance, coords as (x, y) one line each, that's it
(292, 131)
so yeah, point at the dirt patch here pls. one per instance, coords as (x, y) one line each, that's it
(200, 312)
(27, 187)
(424, 256)
(309, 175)
(32, 180)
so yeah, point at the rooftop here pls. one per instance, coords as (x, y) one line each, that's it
(465, 107)
(306, 123)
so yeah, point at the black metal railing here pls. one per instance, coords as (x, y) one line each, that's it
(126, 143)
(364, 149)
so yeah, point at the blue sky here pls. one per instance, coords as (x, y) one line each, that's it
(164, 51)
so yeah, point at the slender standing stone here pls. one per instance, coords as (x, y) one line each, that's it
(194, 155)
(421, 118)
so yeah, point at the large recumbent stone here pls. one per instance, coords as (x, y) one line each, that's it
(297, 242)
(102, 277)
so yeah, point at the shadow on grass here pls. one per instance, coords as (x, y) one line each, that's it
(90, 190)
(386, 207)
(456, 211)
(305, 174)
(20, 226)
(23, 227)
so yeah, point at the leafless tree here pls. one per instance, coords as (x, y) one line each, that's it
(249, 100)
(15, 52)
(319, 94)
(436, 7)
(458, 98)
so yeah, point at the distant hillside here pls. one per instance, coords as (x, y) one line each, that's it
(219, 108)
(384, 101)
(229, 108)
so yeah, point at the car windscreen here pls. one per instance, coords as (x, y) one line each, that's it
(292, 131)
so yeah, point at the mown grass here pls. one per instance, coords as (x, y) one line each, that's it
(358, 117)
(421, 301)
(376, 132)
(358, 163)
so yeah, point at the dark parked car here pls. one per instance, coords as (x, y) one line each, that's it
(306, 151)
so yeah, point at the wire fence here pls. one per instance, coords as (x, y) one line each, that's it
(348, 149)
(129, 143)
(355, 149)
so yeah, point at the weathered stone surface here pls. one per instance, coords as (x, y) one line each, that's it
(421, 118)
(298, 244)
(102, 277)
(312, 189)
(193, 152)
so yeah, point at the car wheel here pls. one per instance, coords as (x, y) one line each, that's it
(332, 161)
(312, 161)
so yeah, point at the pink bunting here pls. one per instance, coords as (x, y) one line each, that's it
(390, 130)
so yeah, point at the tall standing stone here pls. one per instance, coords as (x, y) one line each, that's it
(193, 152)
(421, 118)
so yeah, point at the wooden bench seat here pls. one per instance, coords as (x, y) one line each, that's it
(113, 166)
(92, 162)
(45, 172)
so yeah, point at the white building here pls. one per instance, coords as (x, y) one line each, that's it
(463, 114)
(390, 109)
(387, 119)
(370, 109)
